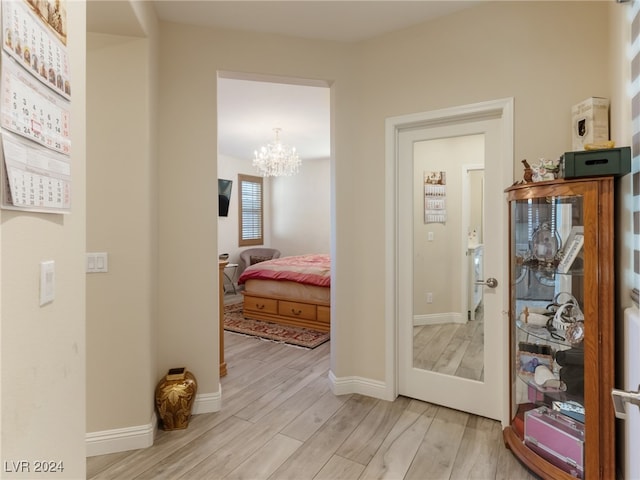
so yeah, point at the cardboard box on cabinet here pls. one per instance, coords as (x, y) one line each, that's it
(590, 122)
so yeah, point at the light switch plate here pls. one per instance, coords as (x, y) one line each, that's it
(47, 282)
(97, 262)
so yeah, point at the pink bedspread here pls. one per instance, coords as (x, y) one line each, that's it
(311, 269)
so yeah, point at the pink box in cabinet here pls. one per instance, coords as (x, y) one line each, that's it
(557, 438)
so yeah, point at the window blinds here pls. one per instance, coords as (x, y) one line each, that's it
(250, 210)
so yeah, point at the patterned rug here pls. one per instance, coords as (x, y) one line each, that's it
(234, 321)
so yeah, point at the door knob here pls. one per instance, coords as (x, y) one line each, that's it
(620, 397)
(489, 282)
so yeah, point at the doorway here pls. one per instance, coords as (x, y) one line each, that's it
(295, 210)
(250, 107)
(422, 230)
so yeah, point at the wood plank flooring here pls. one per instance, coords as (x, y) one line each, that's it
(279, 420)
(451, 348)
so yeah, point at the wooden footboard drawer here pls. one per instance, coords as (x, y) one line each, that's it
(297, 310)
(259, 304)
(324, 314)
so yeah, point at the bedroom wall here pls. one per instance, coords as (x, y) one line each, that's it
(296, 217)
(300, 206)
(42, 415)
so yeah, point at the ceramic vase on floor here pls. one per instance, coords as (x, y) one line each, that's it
(175, 395)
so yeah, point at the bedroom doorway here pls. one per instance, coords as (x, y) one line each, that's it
(431, 253)
(296, 210)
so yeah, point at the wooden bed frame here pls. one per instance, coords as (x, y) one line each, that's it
(288, 311)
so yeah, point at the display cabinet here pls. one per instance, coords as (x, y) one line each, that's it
(562, 299)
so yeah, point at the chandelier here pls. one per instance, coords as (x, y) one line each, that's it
(276, 159)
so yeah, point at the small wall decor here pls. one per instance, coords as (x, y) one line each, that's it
(435, 192)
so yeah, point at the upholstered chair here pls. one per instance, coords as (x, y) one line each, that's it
(256, 255)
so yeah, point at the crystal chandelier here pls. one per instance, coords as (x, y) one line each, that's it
(276, 159)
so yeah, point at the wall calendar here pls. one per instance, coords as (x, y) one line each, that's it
(32, 110)
(435, 193)
(36, 179)
(35, 107)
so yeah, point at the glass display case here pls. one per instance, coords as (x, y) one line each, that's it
(562, 298)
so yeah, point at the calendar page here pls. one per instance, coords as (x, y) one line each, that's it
(33, 111)
(36, 179)
(35, 34)
(35, 107)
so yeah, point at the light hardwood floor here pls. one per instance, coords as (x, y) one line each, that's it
(279, 420)
(451, 348)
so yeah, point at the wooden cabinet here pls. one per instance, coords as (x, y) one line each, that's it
(288, 312)
(562, 304)
(221, 265)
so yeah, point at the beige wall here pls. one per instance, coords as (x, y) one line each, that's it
(43, 348)
(120, 201)
(187, 313)
(122, 221)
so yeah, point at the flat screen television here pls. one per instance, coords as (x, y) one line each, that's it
(224, 196)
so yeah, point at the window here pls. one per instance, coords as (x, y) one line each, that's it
(250, 192)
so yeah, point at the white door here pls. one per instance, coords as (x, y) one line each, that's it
(445, 356)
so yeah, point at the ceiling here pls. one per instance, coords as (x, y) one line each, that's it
(343, 21)
(248, 109)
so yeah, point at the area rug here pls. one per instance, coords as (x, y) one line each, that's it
(234, 321)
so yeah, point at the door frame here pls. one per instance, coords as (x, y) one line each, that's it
(501, 109)
(464, 276)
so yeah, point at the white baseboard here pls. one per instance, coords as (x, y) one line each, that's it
(437, 318)
(208, 402)
(360, 385)
(142, 436)
(121, 439)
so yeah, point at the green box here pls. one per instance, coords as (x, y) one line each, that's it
(592, 163)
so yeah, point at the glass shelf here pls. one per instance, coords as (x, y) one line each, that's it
(540, 333)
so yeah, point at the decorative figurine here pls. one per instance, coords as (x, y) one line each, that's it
(546, 170)
(528, 173)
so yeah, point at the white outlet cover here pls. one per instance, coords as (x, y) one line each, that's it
(47, 282)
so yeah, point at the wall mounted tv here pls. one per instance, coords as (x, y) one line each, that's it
(224, 196)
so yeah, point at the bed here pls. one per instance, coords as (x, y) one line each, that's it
(292, 290)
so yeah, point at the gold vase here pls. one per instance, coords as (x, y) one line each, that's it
(175, 395)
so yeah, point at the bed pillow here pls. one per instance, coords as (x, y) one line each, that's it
(253, 259)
